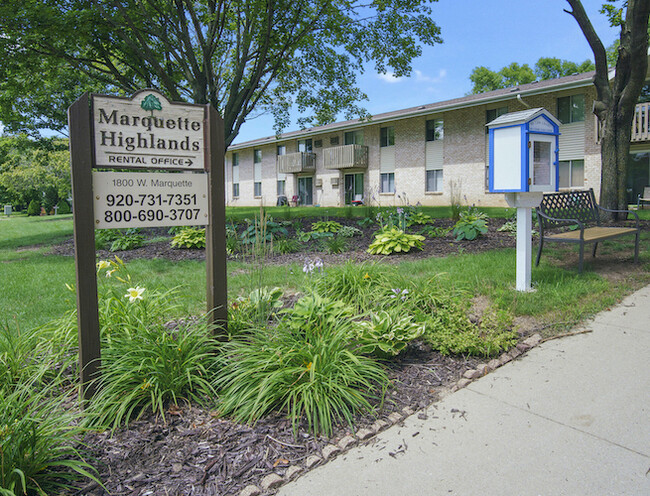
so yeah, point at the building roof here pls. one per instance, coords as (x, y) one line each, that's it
(513, 118)
(523, 90)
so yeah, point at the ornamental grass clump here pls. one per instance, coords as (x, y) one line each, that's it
(148, 368)
(40, 452)
(304, 367)
(395, 240)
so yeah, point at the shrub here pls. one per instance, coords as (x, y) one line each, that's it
(324, 226)
(306, 236)
(147, 367)
(128, 240)
(449, 330)
(189, 237)
(104, 238)
(386, 335)
(64, 207)
(304, 367)
(366, 222)
(395, 241)
(34, 208)
(349, 232)
(264, 230)
(471, 225)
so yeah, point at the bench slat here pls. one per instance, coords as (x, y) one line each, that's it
(593, 234)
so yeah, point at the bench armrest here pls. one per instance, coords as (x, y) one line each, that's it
(636, 216)
(554, 219)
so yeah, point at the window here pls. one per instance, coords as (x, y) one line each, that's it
(434, 130)
(318, 144)
(572, 174)
(491, 114)
(387, 180)
(281, 187)
(305, 145)
(257, 172)
(354, 138)
(571, 109)
(235, 175)
(434, 180)
(334, 141)
(281, 149)
(387, 136)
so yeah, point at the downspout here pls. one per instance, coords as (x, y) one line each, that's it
(522, 101)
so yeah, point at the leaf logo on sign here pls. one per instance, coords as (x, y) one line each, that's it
(151, 102)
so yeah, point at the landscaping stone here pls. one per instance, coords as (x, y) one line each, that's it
(312, 460)
(471, 374)
(346, 442)
(484, 368)
(462, 383)
(533, 340)
(505, 358)
(330, 450)
(250, 490)
(494, 364)
(271, 481)
(363, 434)
(378, 425)
(394, 417)
(514, 353)
(407, 411)
(292, 472)
(523, 347)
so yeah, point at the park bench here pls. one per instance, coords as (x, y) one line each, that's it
(579, 209)
(645, 198)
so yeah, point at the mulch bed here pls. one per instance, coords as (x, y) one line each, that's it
(195, 452)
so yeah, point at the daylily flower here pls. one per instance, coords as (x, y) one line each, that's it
(103, 264)
(366, 276)
(109, 273)
(134, 294)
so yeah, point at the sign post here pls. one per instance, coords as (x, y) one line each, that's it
(184, 144)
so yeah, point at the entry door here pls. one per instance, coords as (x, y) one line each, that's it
(542, 163)
(353, 188)
(305, 190)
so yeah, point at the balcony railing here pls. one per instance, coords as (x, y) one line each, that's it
(640, 124)
(292, 163)
(640, 129)
(346, 157)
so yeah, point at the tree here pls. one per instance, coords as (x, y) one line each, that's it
(241, 56)
(617, 97)
(514, 74)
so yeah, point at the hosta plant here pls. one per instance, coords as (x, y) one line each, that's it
(326, 226)
(471, 225)
(395, 241)
(127, 240)
(386, 335)
(349, 232)
(189, 237)
(418, 219)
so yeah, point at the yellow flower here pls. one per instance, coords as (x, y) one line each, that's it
(103, 264)
(70, 288)
(109, 273)
(309, 365)
(367, 276)
(134, 294)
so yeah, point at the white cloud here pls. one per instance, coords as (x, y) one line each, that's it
(420, 77)
(389, 77)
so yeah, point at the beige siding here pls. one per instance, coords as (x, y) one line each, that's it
(572, 141)
(388, 159)
(434, 154)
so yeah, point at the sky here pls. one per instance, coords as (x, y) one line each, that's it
(490, 33)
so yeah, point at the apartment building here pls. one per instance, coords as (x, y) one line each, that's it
(427, 154)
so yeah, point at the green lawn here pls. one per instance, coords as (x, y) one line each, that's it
(34, 285)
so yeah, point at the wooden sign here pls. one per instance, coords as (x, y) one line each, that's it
(149, 199)
(147, 131)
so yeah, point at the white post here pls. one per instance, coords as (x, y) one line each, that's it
(524, 248)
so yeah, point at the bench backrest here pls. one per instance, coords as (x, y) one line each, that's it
(580, 205)
(646, 193)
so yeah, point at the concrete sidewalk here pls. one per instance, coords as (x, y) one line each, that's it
(571, 417)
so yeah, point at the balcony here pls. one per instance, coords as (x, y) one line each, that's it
(293, 163)
(345, 157)
(640, 129)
